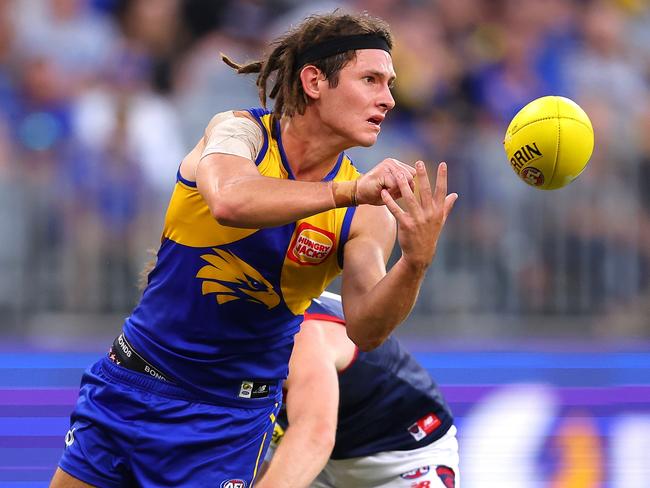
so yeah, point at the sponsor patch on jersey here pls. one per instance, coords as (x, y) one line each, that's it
(310, 245)
(254, 389)
(423, 427)
(415, 473)
(234, 483)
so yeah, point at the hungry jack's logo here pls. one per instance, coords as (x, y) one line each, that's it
(310, 245)
(231, 278)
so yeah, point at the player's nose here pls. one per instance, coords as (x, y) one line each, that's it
(386, 101)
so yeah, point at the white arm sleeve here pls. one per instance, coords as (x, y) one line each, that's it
(238, 136)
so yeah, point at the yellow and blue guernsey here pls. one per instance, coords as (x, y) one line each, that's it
(223, 304)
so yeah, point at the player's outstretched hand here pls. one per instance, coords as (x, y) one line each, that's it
(423, 215)
(384, 176)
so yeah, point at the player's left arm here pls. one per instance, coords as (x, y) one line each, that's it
(312, 404)
(376, 301)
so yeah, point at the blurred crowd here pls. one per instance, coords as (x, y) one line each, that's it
(101, 99)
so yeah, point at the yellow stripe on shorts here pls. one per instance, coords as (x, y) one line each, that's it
(258, 457)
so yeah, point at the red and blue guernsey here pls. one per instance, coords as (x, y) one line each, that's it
(223, 304)
(388, 402)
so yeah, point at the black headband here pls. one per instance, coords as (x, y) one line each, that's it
(338, 45)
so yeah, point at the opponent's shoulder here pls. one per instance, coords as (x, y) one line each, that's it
(327, 339)
(328, 305)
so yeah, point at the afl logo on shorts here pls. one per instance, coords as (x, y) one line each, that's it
(310, 245)
(233, 484)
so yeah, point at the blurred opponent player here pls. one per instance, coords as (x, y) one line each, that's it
(394, 428)
(263, 215)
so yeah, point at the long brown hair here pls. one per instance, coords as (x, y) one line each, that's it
(287, 89)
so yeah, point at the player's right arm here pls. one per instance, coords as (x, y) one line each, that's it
(239, 196)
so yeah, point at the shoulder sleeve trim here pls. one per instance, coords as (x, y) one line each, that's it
(258, 113)
(179, 178)
(345, 232)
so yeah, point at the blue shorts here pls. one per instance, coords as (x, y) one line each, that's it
(130, 429)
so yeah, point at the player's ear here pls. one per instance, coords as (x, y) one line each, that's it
(310, 77)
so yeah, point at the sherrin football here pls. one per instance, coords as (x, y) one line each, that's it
(549, 142)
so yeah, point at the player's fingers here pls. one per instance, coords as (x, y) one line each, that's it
(440, 191)
(424, 187)
(410, 170)
(397, 162)
(388, 181)
(408, 197)
(396, 167)
(391, 204)
(450, 200)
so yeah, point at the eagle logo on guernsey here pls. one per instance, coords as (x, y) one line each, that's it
(231, 278)
(310, 245)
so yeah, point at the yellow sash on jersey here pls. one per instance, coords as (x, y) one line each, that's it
(310, 258)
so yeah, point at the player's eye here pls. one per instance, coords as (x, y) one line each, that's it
(369, 79)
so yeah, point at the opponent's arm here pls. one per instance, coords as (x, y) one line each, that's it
(375, 302)
(312, 404)
(239, 196)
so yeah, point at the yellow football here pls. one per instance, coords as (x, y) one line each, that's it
(549, 142)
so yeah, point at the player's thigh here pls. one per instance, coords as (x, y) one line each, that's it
(202, 445)
(61, 479)
(99, 442)
(422, 477)
(431, 466)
